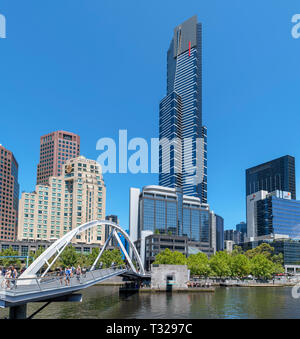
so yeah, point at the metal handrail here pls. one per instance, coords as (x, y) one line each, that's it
(43, 283)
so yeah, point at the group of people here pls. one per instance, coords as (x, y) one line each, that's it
(69, 272)
(198, 284)
(9, 277)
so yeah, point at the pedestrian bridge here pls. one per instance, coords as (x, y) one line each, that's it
(37, 284)
(53, 287)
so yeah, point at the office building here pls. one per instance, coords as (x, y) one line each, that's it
(233, 235)
(183, 148)
(278, 174)
(242, 227)
(70, 200)
(55, 149)
(9, 195)
(166, 211)
(217, 232)
(251, 213)
(108, 229)
(278, 214)
(273, 213)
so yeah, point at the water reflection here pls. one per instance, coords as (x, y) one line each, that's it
(103, 302)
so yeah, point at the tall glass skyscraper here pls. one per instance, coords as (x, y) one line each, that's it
(278, 174)
(183, 139)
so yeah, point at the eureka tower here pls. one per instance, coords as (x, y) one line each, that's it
(183, 139)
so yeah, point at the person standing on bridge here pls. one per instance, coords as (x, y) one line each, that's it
(78, 273)
(61, 275)
(3, 271)
(7, 277)
(14, 275)
(67, 276)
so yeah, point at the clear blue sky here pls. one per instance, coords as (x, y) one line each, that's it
(94, 67)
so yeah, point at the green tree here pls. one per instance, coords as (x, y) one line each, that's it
(278, 259)
(68, 257)
(240, 266)
(220, 264)
(263, 268)
(93, 256)
(34, 255)
(9, 261)
(108, 257)
(198, 264)
(236, 251)
(83, 260)
(265, 249)
(167, 257)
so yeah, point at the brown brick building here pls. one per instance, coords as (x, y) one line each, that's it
(9, 195)
(55, 149)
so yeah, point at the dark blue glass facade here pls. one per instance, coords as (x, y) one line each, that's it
(219, 233)
(278, 174)
(278, 216)
(242, 227)
(181, 113)
(168, 214)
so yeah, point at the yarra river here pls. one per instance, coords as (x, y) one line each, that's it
(104, 302)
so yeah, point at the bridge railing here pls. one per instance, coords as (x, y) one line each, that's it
(14, 287)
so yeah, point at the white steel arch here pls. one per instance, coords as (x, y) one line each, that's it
(58, 247)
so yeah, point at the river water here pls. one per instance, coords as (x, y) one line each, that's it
(104, 302)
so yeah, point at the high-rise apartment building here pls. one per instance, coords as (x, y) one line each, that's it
(278, 174)
(70, 200)
(9, 195)
(55, 149)
(183, 139)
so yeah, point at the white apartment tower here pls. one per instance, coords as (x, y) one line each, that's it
(70, 200)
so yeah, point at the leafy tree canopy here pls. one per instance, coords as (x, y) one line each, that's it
(167, 257)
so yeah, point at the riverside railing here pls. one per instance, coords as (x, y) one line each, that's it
(19, 286)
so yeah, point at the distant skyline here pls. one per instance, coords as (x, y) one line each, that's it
(93, 68)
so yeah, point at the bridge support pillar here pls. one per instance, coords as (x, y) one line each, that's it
(18, 312)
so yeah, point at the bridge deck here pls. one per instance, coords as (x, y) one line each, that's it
(40, 289)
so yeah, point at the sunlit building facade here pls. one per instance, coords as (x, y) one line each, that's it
(183, 148)
(167, 211)
(70, 200)
(9, 195)
(55, 149)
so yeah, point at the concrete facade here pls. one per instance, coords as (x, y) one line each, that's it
(251, 212)
(70, 200)
(229, 244)
(166, 277)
